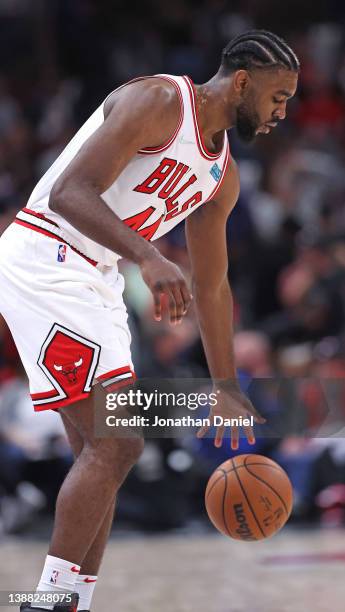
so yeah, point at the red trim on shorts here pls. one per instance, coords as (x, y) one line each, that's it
(112, 373)
(117, 384)
(41, 230)
(59, 403)
(45, 395)
(199, 137)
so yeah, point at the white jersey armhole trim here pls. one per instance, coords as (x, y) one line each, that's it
(199, 138)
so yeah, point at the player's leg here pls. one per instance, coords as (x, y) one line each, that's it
(76, 333)
(87, 579)
(85, 499)
(74, 438)
(91, 485)
(93, 559)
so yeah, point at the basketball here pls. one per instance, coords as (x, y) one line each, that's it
(249, 497)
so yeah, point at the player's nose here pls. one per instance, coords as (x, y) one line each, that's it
(281, 113)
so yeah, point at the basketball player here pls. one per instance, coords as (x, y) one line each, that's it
(153, 153)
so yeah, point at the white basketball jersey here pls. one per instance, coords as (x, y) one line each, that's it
(159, 187)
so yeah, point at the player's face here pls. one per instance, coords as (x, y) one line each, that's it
(263, 102)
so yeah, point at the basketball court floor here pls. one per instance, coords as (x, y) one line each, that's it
(296, 571)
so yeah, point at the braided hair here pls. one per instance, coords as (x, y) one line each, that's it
(258, 49)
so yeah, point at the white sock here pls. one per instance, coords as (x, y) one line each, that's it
(58, 575)
(85, 587)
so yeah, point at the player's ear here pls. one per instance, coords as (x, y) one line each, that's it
(241, 80)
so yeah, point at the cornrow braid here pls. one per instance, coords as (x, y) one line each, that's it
(258, 49)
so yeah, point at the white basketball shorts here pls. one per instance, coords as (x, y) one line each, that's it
(66, 315)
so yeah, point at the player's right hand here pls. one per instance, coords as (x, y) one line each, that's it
(165, 278)
(231, 403)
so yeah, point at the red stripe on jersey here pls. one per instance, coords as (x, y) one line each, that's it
(152, 150)
(199, 138)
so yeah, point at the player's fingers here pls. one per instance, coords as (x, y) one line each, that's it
(202, 431)
(172, 304)
(179, 302)
(159, 290)
(235, 434)
(186, 296)
(248, 430)
(157, 294)
(219, 436)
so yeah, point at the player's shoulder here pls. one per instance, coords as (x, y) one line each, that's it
(153, 92)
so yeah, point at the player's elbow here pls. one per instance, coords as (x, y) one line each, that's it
(59, 197)
(211, 288)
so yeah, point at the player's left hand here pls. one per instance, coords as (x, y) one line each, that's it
(231, 403)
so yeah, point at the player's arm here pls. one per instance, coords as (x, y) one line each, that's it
(207, 247)
(144, 114)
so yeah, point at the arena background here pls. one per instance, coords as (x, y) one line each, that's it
(59, 59)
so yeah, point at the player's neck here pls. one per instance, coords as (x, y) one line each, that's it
(215, 110)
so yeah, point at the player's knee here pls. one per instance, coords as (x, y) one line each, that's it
(131, 449)
(126, 452)
(117, 456)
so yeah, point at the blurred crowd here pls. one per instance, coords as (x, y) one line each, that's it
(285, 239)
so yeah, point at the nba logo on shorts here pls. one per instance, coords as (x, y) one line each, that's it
(54, 577)
(61, 252)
